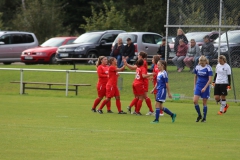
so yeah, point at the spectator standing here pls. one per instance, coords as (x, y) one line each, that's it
(129, 51)
(161, 52)
(180, 55)
(117, 52)
(180, 35)
(161, 49)
(192, 53)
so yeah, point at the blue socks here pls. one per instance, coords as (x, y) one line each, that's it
(166, 110)
(198, 110)
(157, 114)
(204, 112)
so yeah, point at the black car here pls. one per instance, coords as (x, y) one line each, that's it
(233, 52)
(89, 45)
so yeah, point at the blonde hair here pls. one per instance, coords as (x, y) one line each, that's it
(223, 58)
(203, 58)
(99, 61)
(181, 31)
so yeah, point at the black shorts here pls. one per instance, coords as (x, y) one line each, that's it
(220, 89)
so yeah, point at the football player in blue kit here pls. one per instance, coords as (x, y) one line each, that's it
(202, 80)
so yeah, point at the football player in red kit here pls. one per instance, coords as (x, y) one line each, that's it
(143, 56)
(139, 86)
(102, 71)
(111, 87)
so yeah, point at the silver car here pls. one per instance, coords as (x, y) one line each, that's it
(12, 43)
(143, 41)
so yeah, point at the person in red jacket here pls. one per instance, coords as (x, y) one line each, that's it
(102, 71)
(143, 56)
(180, 55)
(111, 87)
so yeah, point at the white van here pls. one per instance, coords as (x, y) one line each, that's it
(12, 43)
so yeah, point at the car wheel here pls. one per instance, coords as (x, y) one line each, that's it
(91, 55)
(235, 60)
(7, 63)
(53, 59)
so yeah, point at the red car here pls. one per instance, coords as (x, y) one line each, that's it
(45, 53)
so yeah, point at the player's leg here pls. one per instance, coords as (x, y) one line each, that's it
(204, 109)
(157, 111)
(224, 92)
(139, 104)
(149, 104)
(101, 93)
(118, 102)
(103, 104)
(197, 93)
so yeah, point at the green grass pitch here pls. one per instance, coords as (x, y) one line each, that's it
(48, 125)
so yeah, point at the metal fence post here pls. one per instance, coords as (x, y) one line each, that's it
(21, 81)
(67, 78)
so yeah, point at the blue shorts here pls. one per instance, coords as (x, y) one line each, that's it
(205, 94)
(161, 95)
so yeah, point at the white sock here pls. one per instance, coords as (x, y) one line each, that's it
(223, 104)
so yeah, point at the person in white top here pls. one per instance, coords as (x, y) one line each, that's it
(222, 83)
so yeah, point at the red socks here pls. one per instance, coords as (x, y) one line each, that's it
(103, 104)
(149, 104)
(134, 101)
(139, 105)
(118, 104)
(108, 105)
(96, 102)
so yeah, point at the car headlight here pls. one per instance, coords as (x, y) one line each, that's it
(40, 53)
(79, 49)
(224, 49)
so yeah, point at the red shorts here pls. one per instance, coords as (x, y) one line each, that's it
(101, 89)
(138, 89)
(146, 85)
(112, 91)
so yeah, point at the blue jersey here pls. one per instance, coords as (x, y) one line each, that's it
(162, 79)
(203, 74)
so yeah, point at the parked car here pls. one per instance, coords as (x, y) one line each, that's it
(233, 52)
(12, 43)
(143, 41)
(89, 45)
(46, 52)
(198, 36)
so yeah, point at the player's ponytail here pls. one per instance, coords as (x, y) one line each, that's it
(164, 63)
(99, 61)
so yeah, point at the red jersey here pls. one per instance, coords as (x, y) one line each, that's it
(145, 64)
(102, 71)
(155, 70)
(112, 76)
(139, 78)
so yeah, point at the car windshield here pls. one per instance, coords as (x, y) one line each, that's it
(53, 42)
(125, 37)
(198, 36)
(88, 38)
(233, 37)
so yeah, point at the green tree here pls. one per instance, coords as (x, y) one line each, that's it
(41, 17)
(107, 18)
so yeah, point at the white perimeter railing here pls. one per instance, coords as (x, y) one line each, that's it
(52, 70)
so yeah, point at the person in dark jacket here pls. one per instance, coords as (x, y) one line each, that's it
(117, 52)
(161, 52)
(180, 35)
(207, 49)
(129, 51)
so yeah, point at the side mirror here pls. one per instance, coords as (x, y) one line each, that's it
(102, 42)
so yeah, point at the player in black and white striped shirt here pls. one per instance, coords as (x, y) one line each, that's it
(222, 83)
